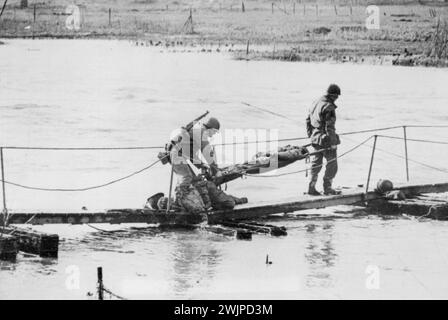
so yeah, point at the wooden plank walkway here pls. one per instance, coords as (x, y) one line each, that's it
(348, 197)
(247, 211)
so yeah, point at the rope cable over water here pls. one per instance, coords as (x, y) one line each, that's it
(411, 160)
(81, 148)
(223, 144)
(113, 294)
(416, 140)
(402, 157)
(86, 188)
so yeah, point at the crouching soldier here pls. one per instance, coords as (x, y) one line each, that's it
(186, 148)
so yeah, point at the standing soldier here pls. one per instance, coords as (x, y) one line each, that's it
(322, 133)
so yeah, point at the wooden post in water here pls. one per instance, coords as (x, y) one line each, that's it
(304, 9)
(5, 210)
(110, 16)
(8, 247)
(35, 242)
(243, 9)
(247, 48)
(34, 13)
(100, 283)
(406, 152)
(272, 7)
(335, 10)
(371, 163)
(294, 8)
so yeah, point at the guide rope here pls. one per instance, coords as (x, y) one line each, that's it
(113, 294)
(223, 144)
(86, 188)
(219, 144)
(416, 140)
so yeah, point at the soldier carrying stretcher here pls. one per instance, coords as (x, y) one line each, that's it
(194, 192)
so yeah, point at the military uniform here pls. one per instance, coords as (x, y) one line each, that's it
(192, 192)
(321, 130)
(183, 156)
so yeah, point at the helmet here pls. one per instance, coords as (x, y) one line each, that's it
(212, 123)
(151, 202)
(334, 89)
(384, 186)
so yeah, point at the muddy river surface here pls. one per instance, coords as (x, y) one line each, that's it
(114, 94)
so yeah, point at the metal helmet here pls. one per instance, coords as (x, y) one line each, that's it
(334, 89)
(212, 123)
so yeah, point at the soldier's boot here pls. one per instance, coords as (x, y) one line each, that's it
(242, 200)
(328, 190)
(312, 189)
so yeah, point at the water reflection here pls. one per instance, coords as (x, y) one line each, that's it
(194, 262)
(320, 254)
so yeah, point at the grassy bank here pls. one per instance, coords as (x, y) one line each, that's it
(291, 29)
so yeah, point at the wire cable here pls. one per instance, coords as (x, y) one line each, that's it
(85, 188)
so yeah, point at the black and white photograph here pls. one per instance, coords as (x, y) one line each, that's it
(223, 150)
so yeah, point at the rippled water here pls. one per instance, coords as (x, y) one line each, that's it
(111, 93)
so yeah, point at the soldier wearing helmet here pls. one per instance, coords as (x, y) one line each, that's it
(192, 147)
(191, 152)
(321, 130)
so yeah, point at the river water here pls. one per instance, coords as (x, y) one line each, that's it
(114, 94)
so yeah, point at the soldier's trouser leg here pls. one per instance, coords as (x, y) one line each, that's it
(181, 169)
(331, 167)
(219, 199)
(316, 164)
(189, 198)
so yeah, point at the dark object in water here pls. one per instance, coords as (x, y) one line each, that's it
(257, 227)
(243, 234)
(8, 247)
(35, 242)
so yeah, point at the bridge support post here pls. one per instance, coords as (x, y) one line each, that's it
(371, 163)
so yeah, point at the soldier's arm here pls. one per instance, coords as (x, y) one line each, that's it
(309, 127)
(209, 156)
(329, 116)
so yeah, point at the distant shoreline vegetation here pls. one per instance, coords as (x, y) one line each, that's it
(411, 33)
